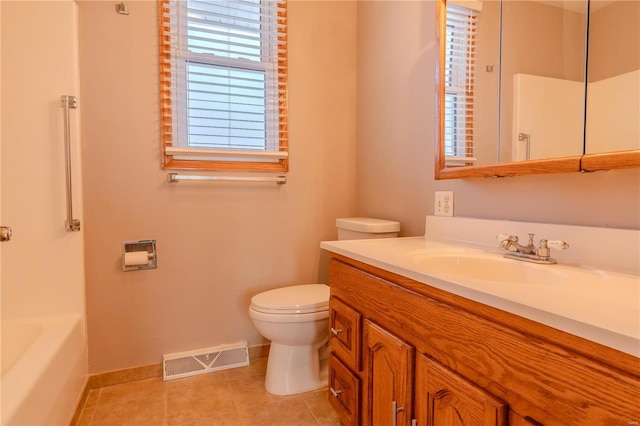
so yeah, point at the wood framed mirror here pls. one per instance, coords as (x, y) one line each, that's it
(612, 135)
(512, 87)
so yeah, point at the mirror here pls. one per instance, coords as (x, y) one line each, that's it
(612, 135)
(613, 101)
(542, 88)
(512, 86)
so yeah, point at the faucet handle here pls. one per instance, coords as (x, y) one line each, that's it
(558, 244)
(544, 251)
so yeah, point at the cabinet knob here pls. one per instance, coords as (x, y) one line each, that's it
(336, 332)
(334, 392)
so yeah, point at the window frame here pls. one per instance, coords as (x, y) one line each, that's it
(174, 156)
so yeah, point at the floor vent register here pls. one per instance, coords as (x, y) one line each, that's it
(207, 360)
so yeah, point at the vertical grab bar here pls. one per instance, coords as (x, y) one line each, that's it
(71, 224)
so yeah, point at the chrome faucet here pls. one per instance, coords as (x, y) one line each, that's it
(530, 253)
(510, 243)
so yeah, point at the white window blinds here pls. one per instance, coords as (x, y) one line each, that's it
(459, 84)
(224, 84)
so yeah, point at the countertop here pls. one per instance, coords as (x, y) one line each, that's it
(597, 305)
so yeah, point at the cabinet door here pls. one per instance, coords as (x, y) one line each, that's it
(444, 398)
(389, 369)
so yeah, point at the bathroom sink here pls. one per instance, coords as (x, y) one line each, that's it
(486, 267)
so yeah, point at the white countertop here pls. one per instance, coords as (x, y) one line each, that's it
(597, 305)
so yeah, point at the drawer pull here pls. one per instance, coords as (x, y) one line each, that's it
(395, 410)
(334, 392)
(335, 332)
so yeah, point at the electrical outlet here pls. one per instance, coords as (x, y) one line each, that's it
(444, 203)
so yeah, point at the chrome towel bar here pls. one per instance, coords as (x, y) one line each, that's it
(175, 177)
(71, 224)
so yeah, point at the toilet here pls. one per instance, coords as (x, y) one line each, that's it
(296, 320)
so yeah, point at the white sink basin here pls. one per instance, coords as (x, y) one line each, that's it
(486, 267)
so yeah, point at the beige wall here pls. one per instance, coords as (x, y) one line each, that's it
(218, 244)
(396, 137)
(395, 109)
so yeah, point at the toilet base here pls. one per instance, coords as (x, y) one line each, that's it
(294, 369)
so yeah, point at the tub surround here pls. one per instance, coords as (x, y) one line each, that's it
(598, 300)
(52, 362)
(44, 337)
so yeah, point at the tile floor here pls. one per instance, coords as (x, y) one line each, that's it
(230, 397)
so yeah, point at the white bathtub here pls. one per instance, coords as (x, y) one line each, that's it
(44, 368)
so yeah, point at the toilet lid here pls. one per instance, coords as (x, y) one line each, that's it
(299, 299)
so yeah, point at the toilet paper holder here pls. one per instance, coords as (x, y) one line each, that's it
(138, 255)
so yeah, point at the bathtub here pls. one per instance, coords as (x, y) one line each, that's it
(44, 369)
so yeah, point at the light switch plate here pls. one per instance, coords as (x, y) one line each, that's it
(444, 203)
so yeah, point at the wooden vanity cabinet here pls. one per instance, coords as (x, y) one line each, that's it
(405, 353)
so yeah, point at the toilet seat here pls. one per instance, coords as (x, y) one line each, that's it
(299, 299)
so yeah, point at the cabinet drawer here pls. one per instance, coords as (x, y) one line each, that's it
(345, 333)
(344, 392)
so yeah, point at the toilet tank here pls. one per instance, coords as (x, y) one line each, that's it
(360, 228)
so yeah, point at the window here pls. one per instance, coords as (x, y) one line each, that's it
(223, 84)
(458, 81)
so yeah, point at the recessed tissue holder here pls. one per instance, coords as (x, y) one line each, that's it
(138, 255)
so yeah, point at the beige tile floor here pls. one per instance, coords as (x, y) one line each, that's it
(230, 397)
